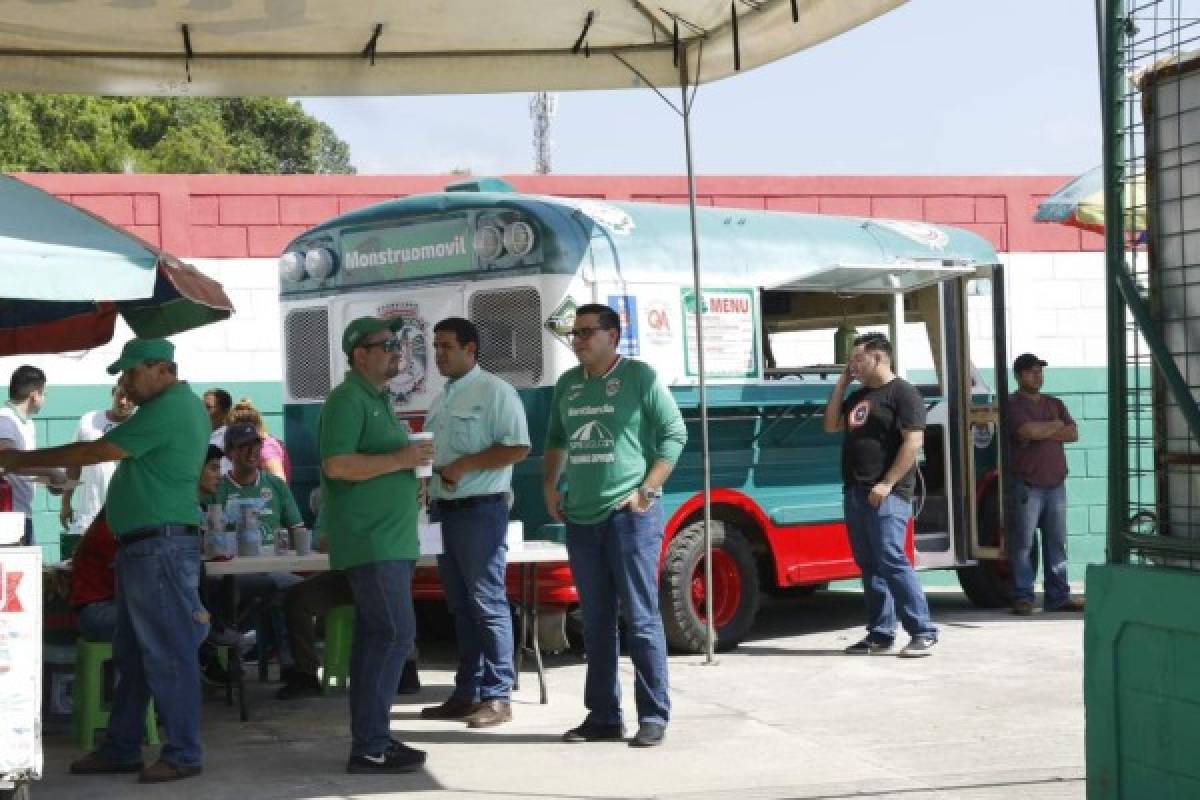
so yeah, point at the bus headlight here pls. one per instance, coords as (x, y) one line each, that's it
(488, 242)
(291, 267)
(518, 238)
(319, 263)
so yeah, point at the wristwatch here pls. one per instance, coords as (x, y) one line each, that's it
(650, 493)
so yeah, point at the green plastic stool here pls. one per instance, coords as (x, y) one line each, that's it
(339, 634)
(89, 711)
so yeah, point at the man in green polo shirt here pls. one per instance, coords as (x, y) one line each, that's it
(369, 510)
(153, 513)
(615, 434)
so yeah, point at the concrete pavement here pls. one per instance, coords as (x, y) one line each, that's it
(995, 713)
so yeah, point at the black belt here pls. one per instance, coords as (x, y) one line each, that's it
(467, 502)
(141, 534)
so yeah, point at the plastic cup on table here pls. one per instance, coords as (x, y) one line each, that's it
(302, 541)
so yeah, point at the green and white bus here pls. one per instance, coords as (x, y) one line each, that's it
(782, 295)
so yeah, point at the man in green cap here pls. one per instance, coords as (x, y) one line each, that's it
(369, 509)
(153, 513)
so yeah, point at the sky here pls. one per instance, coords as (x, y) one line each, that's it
(936, 87)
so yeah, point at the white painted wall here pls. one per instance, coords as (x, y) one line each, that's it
(1055, 309)
(242, 348)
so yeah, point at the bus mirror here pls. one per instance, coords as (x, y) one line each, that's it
(291, 267)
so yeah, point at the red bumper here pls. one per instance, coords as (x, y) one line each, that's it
(554, 584)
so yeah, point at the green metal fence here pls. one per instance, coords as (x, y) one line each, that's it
(1152, 228)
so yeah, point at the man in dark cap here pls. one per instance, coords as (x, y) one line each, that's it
(1039, 425)
(153, 513)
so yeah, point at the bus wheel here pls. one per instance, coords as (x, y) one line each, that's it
(989, 584)
(735, 588)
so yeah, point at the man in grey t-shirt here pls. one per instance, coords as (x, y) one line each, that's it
(26, 396)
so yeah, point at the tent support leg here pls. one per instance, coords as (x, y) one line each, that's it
(710, 636)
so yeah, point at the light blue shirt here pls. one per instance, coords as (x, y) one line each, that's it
(473, 413)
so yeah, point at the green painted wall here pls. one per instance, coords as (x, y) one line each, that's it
(1141, 645)
(66, 404)
(1084, 390)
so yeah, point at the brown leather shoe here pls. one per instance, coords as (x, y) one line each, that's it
(1072, 604)
(164, 771)
(490, 713)
(1023, 608)
(95, 764)
(454, 708)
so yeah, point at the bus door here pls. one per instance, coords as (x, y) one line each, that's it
(418, 381)
(977, 386)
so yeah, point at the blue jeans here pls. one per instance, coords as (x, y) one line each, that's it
(160, 625)
(472, 572)
(384, 629)
(615, 567)
(97, 621)
(1035, 507)
(890, 584)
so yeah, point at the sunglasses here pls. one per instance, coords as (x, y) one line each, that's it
(584, 333)
(387, 345)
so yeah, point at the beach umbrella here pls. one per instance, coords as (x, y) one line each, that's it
(1080, 204)
(66, 274)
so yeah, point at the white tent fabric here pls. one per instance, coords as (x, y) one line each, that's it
(330, 47)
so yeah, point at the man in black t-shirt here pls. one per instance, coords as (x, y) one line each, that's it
(884, 425)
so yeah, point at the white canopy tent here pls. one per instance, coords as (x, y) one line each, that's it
(376, 47)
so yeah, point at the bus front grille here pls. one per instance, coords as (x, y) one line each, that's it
(510, 333)
(306, 353)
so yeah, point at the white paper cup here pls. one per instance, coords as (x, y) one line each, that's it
(423, 470)
(302, 541)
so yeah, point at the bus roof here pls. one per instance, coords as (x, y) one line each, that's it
(738, 247)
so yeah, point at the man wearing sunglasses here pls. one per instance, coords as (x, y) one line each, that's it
(614, 435)
(369, 511)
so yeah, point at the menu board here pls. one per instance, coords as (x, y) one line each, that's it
(730, 333)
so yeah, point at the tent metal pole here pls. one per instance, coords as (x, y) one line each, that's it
(710, 635)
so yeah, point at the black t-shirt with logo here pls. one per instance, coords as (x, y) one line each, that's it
(875, 421)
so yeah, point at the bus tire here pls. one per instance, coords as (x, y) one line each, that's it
(735, 588)
(989, 583)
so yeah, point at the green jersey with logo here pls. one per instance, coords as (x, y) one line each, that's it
(613, 428)
(268, 495)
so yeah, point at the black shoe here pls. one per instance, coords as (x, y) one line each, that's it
(410, 680)
(95, 764)
(165, 772)
(869, 646)
(649, 734)
(299, 685)
(595, 732)
(397, 758)
(919, 646)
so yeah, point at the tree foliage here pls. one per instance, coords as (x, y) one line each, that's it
(81, 133)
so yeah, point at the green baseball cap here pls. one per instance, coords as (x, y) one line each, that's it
(139, 351)
(365, 326)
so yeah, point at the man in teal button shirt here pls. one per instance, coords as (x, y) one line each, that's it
(479, 431)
